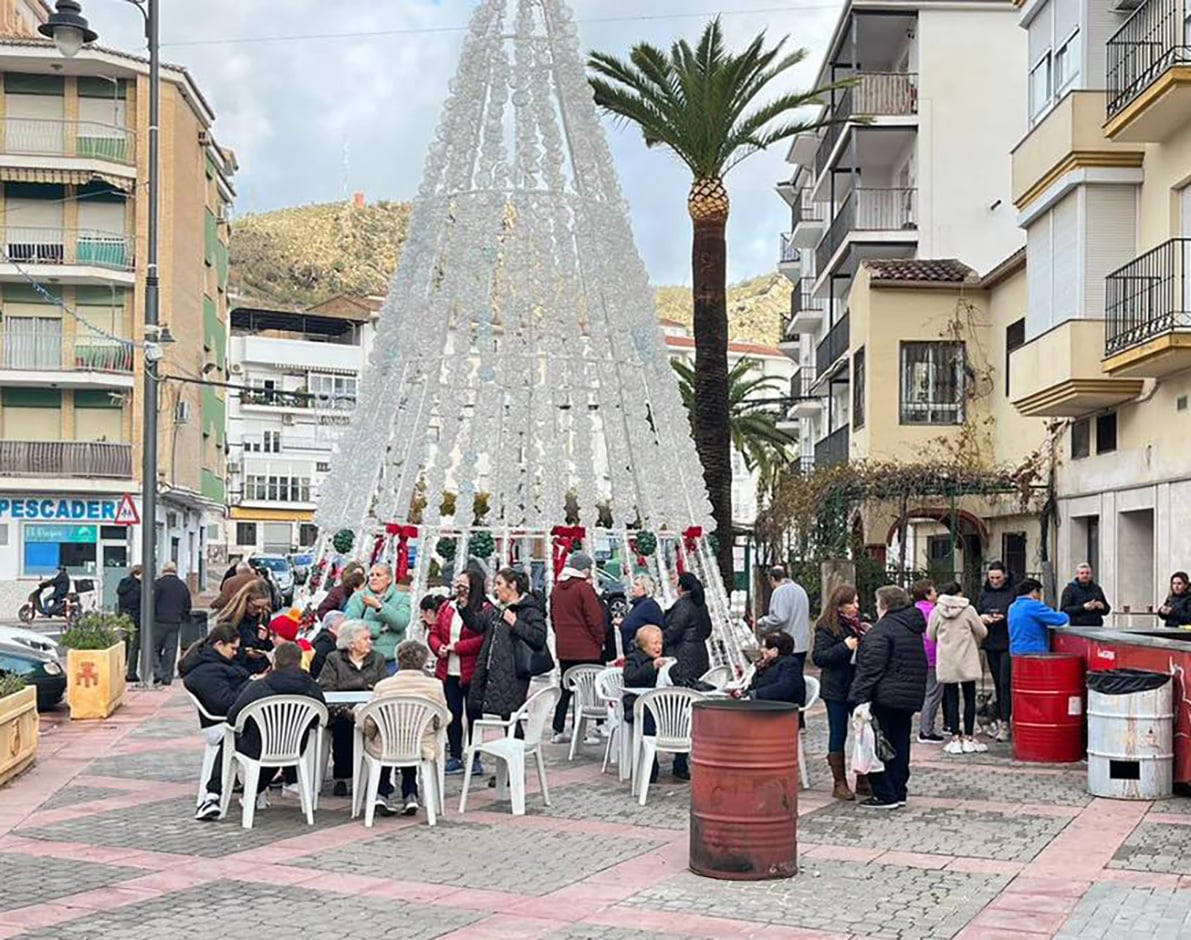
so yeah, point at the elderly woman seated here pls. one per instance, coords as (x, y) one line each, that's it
(641, 669)
(410, 680)
(779, 672)
(354, 667)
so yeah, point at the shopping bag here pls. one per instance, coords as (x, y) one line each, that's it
(864, 743)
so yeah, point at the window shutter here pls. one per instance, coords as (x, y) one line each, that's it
(1040, 35)
(1066, 18)
(1065, 254)
(1038, 276)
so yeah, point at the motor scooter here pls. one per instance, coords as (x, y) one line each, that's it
(68, 608)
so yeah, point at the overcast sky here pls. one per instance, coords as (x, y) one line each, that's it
(314, 118)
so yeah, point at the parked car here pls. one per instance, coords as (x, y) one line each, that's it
(301, 562)
(30, 638)
(281, 570)
(39, 669)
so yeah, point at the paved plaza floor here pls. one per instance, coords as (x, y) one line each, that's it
(98, 841)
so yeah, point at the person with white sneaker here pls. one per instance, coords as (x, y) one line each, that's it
(957, 631)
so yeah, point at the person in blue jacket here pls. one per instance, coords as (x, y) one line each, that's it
(1030, 618)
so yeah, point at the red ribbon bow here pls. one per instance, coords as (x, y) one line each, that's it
(404, 533)
(566, 540)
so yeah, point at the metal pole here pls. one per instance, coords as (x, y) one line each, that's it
(149, 403)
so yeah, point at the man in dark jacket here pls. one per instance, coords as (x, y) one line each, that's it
(578, 619)
(998, 593)
(891, 679)
(171, 606)
(128, 603)
(60, 582)
(1083, 600)
(286, 678)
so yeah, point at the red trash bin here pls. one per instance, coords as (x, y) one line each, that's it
(1048, 708)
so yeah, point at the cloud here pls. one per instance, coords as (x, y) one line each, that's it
(311, 119)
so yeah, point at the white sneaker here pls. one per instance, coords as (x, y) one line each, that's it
(411, 806)
(1003, 732)
(262, 800)
(954, 746)
(209, 808)
(291, 789)
(560, 737)
(591, 739)
(972, 746)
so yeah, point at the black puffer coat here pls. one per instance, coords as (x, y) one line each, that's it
(292, 681)
(495, 688)
(834, 659)
(780, 681)
(891, 662)
(1075, 595)
(685, 635)
(639, 673)
(997, 601)
(1180, 610)
(213, 680)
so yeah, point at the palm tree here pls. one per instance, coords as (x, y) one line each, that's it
(703, 104)
(752, 428)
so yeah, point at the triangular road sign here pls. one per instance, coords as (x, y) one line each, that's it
(126, 513)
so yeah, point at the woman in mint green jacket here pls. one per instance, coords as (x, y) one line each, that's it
(386, 611)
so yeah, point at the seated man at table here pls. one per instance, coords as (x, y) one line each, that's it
(641, 671)
(286, 678)
(410, 680)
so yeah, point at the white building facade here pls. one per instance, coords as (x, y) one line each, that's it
(303, 369)
(917, 167)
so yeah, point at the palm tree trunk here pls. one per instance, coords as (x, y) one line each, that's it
(711, 414)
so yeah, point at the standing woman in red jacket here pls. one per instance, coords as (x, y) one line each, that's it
(578, 620)
(457, 647)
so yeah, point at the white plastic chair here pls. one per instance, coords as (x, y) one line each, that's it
(743, 682)
(211, 750)
(586, 707)
(289, 728)
(812, 696)
(718, 677)
(512, 751)
(401, 722)
(610, 688)
(671, 711)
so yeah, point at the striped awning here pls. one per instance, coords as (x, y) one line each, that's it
(21, 174)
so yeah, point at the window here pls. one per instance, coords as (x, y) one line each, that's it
(1040, 87)
(933, 383)
(246, 533)
(1013, 552)
(1015, 338)
(1081, 439)
(48, 546)
(1092, 545)
(276, 489)
(271, 442)
(858, 389)
(1067, 63)
(307, 534)
(1106, 433)
(337, 392)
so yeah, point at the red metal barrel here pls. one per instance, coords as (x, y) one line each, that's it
(1048, 709)
(744, 790)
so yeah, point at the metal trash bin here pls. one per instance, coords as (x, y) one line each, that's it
(193, 629)
(1130, 734)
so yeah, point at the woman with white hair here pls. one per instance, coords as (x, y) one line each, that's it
(644, 611)
(354, 667)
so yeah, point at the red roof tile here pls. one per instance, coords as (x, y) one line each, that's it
(947, 270)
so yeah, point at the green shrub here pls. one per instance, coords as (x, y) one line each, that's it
(98, 631)
(10, 685)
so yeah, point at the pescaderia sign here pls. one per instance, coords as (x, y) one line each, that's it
(60, 510)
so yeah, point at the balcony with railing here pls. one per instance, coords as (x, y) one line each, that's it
(833, 449)
(62, 247)
(833, 347)
(875, 95)
(809, 218)
(77, 459)
(42, 348)
(790, 258)
(1149, 74)
(881, 215)
(804, 401)
(83, 140)
(806, 312)
(1147, 306)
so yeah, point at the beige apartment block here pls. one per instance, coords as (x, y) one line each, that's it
(1101, 185)
(74, 167)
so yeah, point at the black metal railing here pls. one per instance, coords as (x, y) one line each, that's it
(806, 209)
(1149, 296)
(801, 383)
(875, 94)
(789, 251)
(833, 449)
(869, 210)
(1151, 41)
(833, 346)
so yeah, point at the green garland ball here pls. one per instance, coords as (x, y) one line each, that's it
(647, 543)
(343, 541)
(482, 545)
(446, 549)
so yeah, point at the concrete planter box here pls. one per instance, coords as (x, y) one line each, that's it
(95, 681)
(18, 733)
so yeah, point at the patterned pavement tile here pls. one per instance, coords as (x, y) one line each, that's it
(932, 830)
(597, 932)
(29, 880)
(170, 827)
(609, 801)
(168, 728)
(1175, 806)
(972, 783)
(1155, 846)
(228, 910)
(1119, 912)
(523, 860)
(73, 796)
(170, 766)
(863, 900)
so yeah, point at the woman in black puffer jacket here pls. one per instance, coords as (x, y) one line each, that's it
(496, 689)
(686, 632)
(210, 673)
(837, 635)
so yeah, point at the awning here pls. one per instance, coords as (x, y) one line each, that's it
(21, 174)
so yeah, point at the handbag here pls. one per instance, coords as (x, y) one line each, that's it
(884, 749)
(528, 662)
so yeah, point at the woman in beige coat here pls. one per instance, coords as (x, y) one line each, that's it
(956, 629)
(411, 680)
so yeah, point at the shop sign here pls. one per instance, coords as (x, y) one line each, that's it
(60, 510)
(86, 534)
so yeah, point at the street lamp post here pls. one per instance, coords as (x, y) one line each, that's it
(70, 31)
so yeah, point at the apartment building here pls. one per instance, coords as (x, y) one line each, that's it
(303, 368)
(74, 167)
(916, 166)
(1102, 185)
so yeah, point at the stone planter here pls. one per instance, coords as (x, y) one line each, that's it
(95, 681)
(18, 733)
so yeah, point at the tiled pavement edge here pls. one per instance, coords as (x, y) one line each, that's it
(97, 841)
